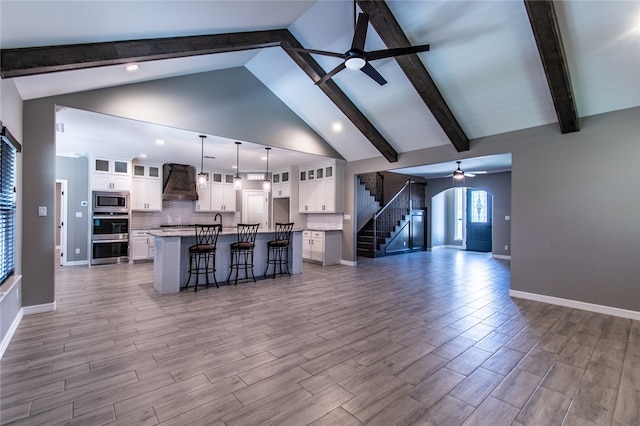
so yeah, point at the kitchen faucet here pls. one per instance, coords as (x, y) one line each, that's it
(216, 217)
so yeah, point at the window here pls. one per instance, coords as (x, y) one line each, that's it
(458, 207)
(8, 148)
(479, 207)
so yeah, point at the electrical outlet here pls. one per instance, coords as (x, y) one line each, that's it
(77, 251)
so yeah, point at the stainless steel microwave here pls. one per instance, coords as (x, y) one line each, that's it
(110, 202)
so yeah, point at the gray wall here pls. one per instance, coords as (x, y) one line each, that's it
(230, 103)
(499, 186)
(575, 227)
(76, 172)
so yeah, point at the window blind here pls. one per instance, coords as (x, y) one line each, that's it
(7, 204)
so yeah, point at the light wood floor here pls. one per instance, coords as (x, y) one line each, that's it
(426, 338)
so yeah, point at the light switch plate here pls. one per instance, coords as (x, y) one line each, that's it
(78, 214)
(42, 210)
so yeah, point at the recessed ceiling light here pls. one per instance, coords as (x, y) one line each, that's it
(131, 67)
(337, 126)
(159, 141)
(263, 158)
(143, 156)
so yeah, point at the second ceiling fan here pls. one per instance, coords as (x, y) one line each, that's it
(356, 58)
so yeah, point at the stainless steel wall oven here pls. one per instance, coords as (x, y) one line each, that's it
(109, 238)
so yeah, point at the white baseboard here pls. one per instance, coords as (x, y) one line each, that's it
(348, 262)
(501, 256)
(575, 304)
(76, 263)
(10, 332)
(39, 309)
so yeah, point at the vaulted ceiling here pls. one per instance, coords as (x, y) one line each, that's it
(493, 67)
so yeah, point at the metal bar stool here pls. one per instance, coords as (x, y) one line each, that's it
(278, 249)
(242, 251)
(202, 255)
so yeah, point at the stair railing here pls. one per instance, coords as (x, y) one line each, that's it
(391, 214)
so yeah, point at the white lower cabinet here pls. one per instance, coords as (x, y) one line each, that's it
(142, 245)
(324, 247)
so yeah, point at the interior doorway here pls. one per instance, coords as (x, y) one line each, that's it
(61, 220)
(462, 218)
(255, 207)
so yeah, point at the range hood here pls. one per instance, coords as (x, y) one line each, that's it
(179, 182)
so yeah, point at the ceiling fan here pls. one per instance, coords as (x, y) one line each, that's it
(459, 174)
(356, 58)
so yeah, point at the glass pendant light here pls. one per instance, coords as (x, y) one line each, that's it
(266, 183)
(202, 176)
(237, 181)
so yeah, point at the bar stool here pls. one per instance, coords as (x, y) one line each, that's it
(202, 255)
(278, 248)
(242, 251)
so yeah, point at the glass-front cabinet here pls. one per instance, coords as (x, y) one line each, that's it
(109, 174)
(322, 189)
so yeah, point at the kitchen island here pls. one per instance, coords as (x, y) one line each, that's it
(171, 261)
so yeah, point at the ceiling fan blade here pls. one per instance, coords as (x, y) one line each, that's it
(317, 52)
(371, 72)
(331, 73)
(398, 51)
(360, 33)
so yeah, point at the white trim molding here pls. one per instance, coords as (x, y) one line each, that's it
(77, 263)
(501, 256)
(39, 309)
(348, 262)
(10, 332)
(575, 304)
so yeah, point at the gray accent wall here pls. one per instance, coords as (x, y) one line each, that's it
(76, 172)
(230, 103)
(575, 203)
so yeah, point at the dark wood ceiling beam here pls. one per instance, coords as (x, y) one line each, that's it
(391, 33)
(544, 23)
(41, 60)
(337, 96)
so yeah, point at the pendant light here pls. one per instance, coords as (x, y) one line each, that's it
(266, 183)
(202, 176)
(237, 181)
(458, 176)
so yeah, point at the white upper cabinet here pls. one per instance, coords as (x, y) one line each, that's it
(281, 182)
(146, 187)
(219, 195)
(321, 187)
(110, 174)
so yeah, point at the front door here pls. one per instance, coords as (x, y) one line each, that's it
(479, 220)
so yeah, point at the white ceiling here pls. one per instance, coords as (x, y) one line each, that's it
(483, 58)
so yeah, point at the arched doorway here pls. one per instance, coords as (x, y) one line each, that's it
(462, 217)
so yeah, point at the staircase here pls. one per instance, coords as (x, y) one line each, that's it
(389, 230)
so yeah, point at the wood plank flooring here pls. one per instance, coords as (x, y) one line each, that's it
(428, 338)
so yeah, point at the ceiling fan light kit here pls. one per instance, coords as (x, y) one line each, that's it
(356, 58)
(458, 176)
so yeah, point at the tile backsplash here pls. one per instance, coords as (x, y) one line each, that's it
(177, 213)
(324, 221)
